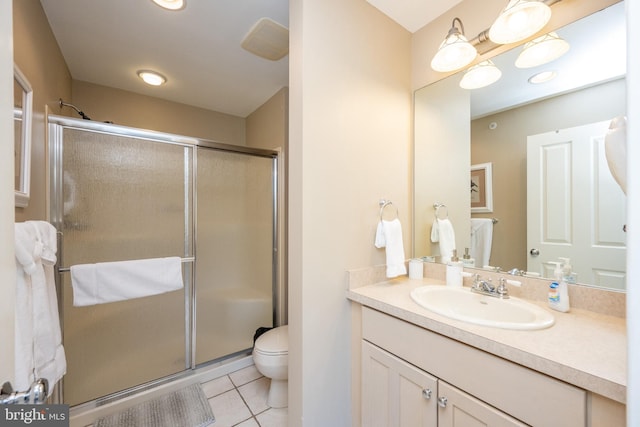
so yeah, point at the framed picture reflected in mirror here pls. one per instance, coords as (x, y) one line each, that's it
(481, 188)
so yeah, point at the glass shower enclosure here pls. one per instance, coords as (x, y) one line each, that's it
(119, 194)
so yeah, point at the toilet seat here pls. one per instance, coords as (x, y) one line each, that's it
(274, 342)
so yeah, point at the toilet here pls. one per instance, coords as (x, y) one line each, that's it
(271, 357)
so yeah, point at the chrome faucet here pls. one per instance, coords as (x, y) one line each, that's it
(485, 287)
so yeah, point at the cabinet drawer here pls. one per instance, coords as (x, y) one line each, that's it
(531, 397)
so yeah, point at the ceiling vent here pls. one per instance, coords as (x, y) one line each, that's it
(267, 39)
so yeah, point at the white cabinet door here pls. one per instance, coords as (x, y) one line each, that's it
(395, 393)
(459, 409)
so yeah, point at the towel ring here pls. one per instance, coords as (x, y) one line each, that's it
(437, 206)
(383, 204)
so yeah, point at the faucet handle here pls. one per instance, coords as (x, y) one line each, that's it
(502, 290)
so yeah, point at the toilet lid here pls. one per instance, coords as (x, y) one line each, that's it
(275, 341)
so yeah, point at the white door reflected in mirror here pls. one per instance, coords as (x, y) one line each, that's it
(575, 209)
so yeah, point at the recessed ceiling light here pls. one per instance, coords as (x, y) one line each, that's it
(152, 78)
(542, 77)
(171, 4)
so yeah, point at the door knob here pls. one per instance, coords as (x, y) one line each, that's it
(37, 393)
(534, 252)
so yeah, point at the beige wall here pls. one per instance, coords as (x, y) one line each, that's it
(350, 145)
(145, 112)
(506, 147)
(38, 56)
(267, 127)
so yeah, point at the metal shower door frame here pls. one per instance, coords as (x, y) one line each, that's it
(56, 126)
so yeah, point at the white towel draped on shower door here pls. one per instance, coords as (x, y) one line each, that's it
(38, 347)
(117, 281)
(481, 240)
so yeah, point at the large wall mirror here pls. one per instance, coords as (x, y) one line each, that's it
(502, 120)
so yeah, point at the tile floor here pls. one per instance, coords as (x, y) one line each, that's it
(239, 399)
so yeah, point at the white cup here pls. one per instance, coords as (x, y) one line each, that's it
(416, 269)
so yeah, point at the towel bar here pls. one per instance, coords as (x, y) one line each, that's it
(437, 206)
(68, 269)
(383, 204)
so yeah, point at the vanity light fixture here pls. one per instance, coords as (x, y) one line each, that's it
(519, 20)
(480, 75)
(542, 50)
(542, 77)
(152, 78)
(171, 4)
(455, 51)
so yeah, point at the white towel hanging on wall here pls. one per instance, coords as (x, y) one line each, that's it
(38, 348)
(389, 236)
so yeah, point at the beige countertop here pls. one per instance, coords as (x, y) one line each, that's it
(582, 348)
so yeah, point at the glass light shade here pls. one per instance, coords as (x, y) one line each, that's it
(542, 50)
(480, 75)
(170, 4)
(542, 77)
(152, 78)
(454, 53)
(519, 20)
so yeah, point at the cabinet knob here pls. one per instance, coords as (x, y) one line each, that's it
(426, 393)
(442, 402)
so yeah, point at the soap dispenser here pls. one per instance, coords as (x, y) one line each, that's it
(567, 273)
(558, 290)
(454, 271)
(467, 261)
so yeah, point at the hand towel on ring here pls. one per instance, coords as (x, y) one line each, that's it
(442, 233)
(389, 236)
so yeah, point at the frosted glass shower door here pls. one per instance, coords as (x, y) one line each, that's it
(235, 251)
(123, 198)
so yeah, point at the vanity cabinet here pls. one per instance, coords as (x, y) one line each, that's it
(400, 360)
(397, 394)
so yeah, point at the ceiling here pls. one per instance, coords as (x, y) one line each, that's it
(413, 14)
(197, 49)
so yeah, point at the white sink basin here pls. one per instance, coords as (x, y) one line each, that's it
(462, 304)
